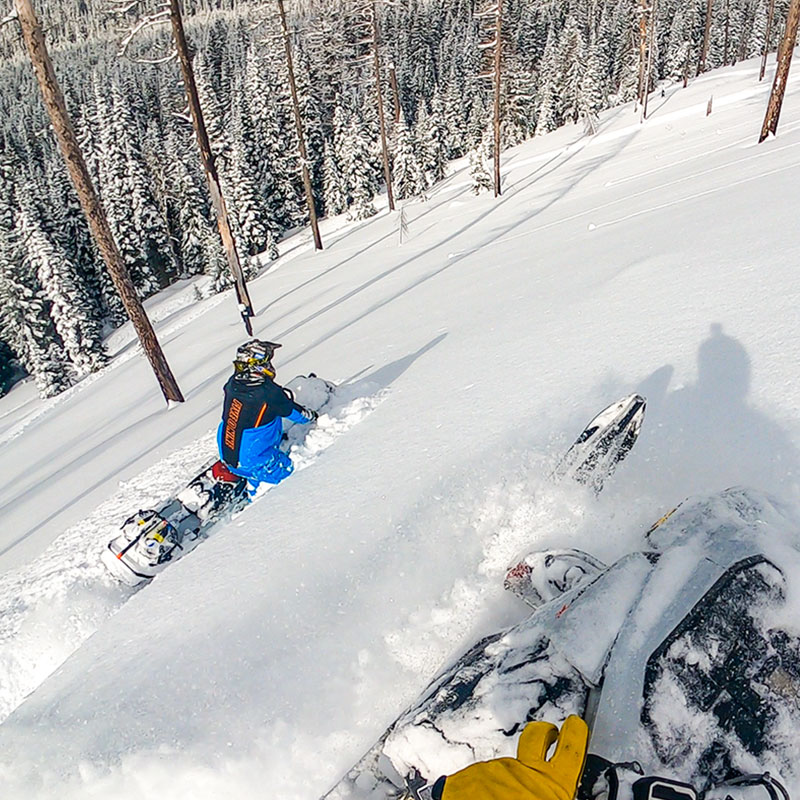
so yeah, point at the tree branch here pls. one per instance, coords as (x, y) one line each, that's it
(147, 22)
(10, 17)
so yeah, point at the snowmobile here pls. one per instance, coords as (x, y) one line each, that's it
(152, 539)
(682, 657)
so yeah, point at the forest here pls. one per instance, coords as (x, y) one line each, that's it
(563, 61)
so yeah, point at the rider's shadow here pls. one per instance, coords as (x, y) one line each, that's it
(707, 437)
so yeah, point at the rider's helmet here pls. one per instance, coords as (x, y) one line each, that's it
(255, 357)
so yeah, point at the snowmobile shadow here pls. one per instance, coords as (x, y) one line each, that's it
(707, 437)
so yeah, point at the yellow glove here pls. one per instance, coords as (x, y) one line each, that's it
(528, 776)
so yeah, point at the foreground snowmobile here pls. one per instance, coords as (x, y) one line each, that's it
(151, 539)
(682, 657)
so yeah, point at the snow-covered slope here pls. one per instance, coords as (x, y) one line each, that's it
(657, 257)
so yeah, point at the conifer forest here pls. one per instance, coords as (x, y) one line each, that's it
(563, 61)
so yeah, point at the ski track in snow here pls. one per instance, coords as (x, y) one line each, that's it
(51, 606)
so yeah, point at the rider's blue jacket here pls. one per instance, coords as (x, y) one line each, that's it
(250, 432)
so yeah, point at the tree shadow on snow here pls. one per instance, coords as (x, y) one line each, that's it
(363, 385)
(707, 437)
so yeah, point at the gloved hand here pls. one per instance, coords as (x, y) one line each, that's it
(528, 776)
(310, 414)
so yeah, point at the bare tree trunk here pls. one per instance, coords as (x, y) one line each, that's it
(706, 33)
(770, 17)
(212, 177)
(95, 215)
(650, 45)
(686, 65)
(395, 92)
(727, 33)
(387, 172)
(782, 72)
(301, 138)
(642, 48)
(498, 61)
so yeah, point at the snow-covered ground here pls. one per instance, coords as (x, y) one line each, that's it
(657, 257)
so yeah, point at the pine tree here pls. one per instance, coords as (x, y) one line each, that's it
(548, 115)
(25, 320)
(408, 176)
(117, 187)
(573, 68)
(253, 228)
(357, 164)
(70, 307)
(153, 235)
(275, 174)
(311, 113)
(8, 367)
(680, 51)
(335, 190)
(200, 245)
(479, 157)
(626, 70)
(758, 33)
(432, 135)
(591, 99)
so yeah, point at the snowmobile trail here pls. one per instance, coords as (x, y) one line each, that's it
(52, 605)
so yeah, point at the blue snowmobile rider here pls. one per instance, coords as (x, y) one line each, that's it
(250, 433)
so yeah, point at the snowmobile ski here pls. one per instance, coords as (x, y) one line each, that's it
(603, 443)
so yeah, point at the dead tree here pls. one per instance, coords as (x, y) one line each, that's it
(95, 214)
(367, 50)
(701, 64)
(169, 11)
(376, 56)
(651, 43)
(494, 48)
(727, 37)
(395, 92)
(642, 50)
(298, 119)
(768, 35)
(781, 72)
(498, 60)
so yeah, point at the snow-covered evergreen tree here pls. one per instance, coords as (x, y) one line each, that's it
(591, 100)
(626, 70)
(572, 55)
(311, 114)
(548, 111)
(200, 245)
(480, 177)
(680, 53)
(358, 171)
(254, 230)
(272, 156)
(70, 307)
(758, 33)
(25, 321)
(432, 137)
(335, 189)
(118, 186)
(408, 176)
